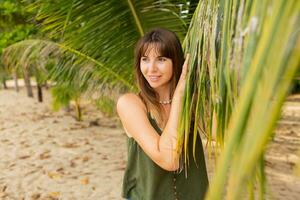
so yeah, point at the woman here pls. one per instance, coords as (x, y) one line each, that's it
(151, 119)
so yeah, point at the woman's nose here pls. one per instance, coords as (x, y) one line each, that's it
(152, 66)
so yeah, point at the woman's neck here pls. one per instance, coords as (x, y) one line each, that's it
(164, 93)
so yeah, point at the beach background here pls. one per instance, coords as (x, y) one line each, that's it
(49, 155)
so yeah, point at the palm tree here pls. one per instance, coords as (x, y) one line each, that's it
(14, 27)
(98, 38)
(3, 75)
(27, 82)
(244, 56)
(31, 58)
(105, 32)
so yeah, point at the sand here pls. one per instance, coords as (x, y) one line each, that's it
(50, 155)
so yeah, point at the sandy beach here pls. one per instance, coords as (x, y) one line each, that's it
(49, 155)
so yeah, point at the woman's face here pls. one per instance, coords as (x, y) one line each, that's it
(157, 70)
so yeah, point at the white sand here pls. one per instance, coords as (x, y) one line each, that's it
(49, 155)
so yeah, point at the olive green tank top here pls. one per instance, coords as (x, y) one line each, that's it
(145, 180)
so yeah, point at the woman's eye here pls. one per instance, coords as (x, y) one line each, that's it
(144, 59)
(162, 59)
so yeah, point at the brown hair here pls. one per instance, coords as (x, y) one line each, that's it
(168, 45)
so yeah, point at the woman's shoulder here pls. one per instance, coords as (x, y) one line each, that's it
(129, 95)
(127, 100)
(130, 106)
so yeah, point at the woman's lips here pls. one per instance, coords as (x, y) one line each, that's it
(154, 78)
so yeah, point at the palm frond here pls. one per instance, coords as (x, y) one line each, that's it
(39, 52)
(107, 31)
(244, 56)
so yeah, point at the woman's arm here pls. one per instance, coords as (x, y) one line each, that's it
(160, 148)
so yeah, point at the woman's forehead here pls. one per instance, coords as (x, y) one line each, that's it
(152, 47)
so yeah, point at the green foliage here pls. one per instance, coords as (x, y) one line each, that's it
(62, 94)
(105, 32)
(244, 55)
(106, 105)
(16, 22)
(11, 11)
(18, 33)
(95, 40)
(15, 25)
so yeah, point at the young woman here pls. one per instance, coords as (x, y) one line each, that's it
(150, 119)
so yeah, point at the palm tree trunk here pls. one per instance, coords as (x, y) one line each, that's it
(40, 92)
(27, 83)
(78, 111)
(15, 75)
(4, 83)
(38, 85)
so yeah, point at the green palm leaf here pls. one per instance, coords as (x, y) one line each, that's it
(95, 40)
(107, 31)
(244, 56)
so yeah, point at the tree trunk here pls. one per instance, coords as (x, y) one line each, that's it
(4, 83)
(78, 111)
(15, 75)
(40, 93)
(27, 83)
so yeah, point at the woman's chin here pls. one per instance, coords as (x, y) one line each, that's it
(157, 85)
(154, 86)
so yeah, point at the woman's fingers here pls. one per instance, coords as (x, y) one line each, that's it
(182, 80)
(185, 66)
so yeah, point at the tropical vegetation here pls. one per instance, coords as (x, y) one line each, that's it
(95, 42)
(244, 57)
(13, 28)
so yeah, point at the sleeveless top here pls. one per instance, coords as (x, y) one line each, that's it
(145, 180)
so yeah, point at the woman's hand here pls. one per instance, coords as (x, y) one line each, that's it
(179, 91)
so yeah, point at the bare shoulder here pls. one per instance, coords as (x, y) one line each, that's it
(130, 107)
(126, 101)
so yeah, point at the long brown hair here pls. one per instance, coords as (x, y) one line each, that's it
(168, 45)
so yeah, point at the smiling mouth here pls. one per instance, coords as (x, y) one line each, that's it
(154, 78)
